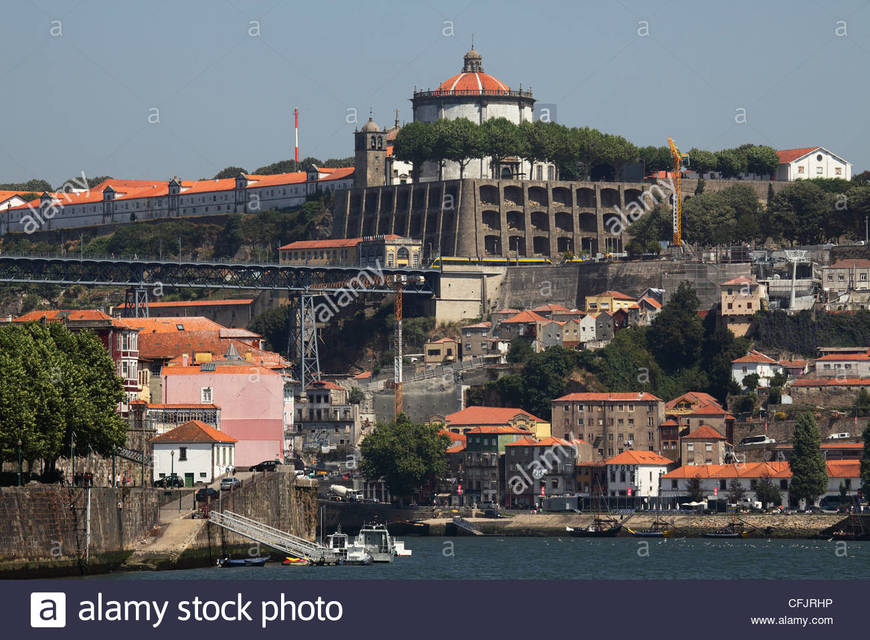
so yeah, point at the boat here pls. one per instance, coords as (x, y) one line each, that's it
(733, 529)
(658, 529)
(293, 561)
(243, 562)
(401, 551)
(377, 541)
(347, 550)
(599, 528)
(852, 528)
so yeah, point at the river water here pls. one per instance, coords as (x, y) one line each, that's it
(496, 558)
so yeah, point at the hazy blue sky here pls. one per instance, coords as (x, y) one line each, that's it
(80, 101)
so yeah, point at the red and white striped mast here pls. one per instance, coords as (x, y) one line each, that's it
(296, 130)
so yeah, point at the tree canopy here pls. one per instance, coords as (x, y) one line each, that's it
(54, 386)
(809, 472)
(407, 455)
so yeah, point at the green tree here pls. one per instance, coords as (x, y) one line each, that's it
(702, 162)
(520, 350)
(274, 325)
(465, 143)
(809, 473)
(405, 454)
(676, 334)
(736, 492)
(501, 139)
(696, 494)
(730, 163)
(750, 382)
(699, 188)
(356, 396)
(414, 143)
(761, 160)
(800, 212)
(861, 406)
(229, 172)
(230, 239)
(767, 492)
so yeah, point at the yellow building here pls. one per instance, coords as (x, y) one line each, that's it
(609, 301)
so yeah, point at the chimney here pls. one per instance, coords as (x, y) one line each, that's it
(185, 359)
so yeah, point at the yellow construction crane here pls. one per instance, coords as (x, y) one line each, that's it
(678, 192)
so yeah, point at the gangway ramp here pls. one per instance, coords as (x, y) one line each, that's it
(272, 537)
(466, 526)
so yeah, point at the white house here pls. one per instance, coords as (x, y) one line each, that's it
(715, 480)
(193, 451)
(758, 363)
(811, 162)
(639, 471)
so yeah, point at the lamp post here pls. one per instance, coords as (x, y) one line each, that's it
(172, 468)
(19, 462)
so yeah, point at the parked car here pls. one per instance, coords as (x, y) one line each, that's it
(228, 484)
(757, 440)
(206, 494)
(266, 465)
(838, 436)
(169, 482)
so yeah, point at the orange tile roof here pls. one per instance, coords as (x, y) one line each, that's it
(549, 307)
(336, 243)
(203, 186)
(222, 367)
(793, 363)
(496, 430)
(756, 357)
(165, 346)
(740, 280)
(326, 384)
(549, 441)
(53, 315)
(844, 356)
(851, 263)
(456, 447)
(652, 302)
(704, 432)
(507, 310)
(790, 155)
(476, 415)
(171, 324)
(454, 437)
(365, 375)
(442, 340)
(609, 396)
(612, 294)
(480, 325)
(831, 382)
(779, 469)
(525, 317)
(670, 422)
(640, 457)
(193, 431)
(695, 398)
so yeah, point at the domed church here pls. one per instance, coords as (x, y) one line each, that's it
(477, 96)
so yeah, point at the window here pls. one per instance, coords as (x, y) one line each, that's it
(182, 454)
(690, 447)
(722, 486)
(205, 395)
(673, 484)
(708, 446)
(202, 474)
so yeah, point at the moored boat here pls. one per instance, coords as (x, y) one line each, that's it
(599, 528)
(243, 562)
(377, 541)
(658, 529)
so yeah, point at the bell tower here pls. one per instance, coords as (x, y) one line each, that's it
(370, 156)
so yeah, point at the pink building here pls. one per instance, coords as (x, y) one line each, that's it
(256, 403)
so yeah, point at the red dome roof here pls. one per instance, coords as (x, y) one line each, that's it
(468, 83)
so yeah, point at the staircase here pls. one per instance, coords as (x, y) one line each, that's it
(275, 538)
(466, 526)
(132, 454)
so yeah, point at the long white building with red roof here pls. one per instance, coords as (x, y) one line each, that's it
(118, 201)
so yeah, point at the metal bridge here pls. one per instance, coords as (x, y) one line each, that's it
(145, 272)
(466, 526)
(275, 538)
(302, 282)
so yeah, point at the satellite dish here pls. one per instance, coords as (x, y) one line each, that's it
(538, 473)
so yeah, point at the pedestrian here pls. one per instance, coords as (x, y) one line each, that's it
(234, 470)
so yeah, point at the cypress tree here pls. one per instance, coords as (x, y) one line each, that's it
(809, 472)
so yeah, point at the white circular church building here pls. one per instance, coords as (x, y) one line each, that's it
(477, 96)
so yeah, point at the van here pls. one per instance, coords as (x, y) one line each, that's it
(757, 440)
(838, 436)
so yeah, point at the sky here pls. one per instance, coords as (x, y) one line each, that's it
(160, 88)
